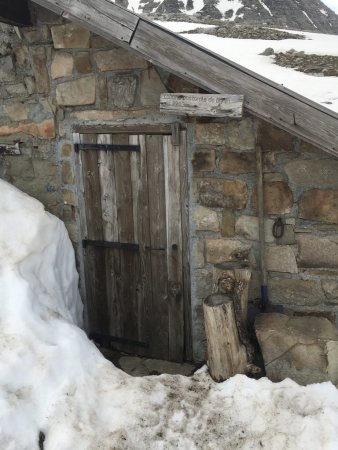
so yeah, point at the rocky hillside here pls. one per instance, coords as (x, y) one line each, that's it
(309, 15)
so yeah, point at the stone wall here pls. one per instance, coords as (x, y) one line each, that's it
(300, 186)
(54, 76)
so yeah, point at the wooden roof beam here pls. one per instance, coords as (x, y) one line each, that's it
(100, 16)
(263, 98)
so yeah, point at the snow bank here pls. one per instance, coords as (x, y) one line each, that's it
(53, 379)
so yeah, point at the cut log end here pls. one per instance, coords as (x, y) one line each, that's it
(226, 355)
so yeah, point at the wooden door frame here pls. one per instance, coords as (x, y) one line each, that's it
(155, 129)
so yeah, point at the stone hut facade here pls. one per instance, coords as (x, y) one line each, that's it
(56, 76)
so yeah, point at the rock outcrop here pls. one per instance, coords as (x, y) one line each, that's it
(308, 15)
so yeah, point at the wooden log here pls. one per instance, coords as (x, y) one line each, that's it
(226, 355)
(239, 276)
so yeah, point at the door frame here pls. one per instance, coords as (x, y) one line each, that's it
(174, 129)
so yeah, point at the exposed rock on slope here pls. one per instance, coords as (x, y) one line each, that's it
(310, 15)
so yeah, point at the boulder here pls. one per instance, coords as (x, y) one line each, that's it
(302, 348)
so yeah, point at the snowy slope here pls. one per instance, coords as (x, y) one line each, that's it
(311, 15)
(57, 389)
(332, 4)
(246, 52)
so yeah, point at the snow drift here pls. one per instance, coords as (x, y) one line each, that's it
(54, 381)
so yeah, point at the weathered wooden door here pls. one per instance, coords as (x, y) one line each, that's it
(136, 264)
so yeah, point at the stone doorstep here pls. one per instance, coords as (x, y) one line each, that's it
(138, 366)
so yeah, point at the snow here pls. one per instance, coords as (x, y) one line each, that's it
(308, 18)
(265, 7)
(222, 5)
(54, 381)
(135, 6)
(226, 5)
(332, 4)
(246, 52)
(178, 27)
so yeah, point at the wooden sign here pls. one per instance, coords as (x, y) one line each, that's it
(211, 105)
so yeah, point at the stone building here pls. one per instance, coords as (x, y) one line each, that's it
(73, 76)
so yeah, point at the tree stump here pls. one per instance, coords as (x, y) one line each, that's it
(227, 356)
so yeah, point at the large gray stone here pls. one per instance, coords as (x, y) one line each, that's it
(288, 237)
(203, 279)
(39, 64)
(295, 292)
(7, 69)
(278, 197)
(248, 227)
(205, 219)
(220, 250)
(62, 65)
(273, 139)
(70, 35)
(122, 89)
(228, 223)
(309, 173)
(77, 92)
(17, 111)
(16, 90)
(240, 134)
(330, 288)
(319, 204)
(223, 193)
(204, 160)
(280, 259)
(316, 251)
(118, 59)
(197, 253)
(237, 162)
(304, 349)
(209, 133)
(151, 87)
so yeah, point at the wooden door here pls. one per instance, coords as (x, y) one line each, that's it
(136, 263)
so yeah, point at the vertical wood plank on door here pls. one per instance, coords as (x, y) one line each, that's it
(146, 295)
(95, 257)
(108, 191)
(174, 248)
(135, 170)
(158, 238)
(126, 288)
(135, 182)
(185, 247)
(110, 231)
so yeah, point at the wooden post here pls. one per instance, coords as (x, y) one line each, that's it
(226, 355)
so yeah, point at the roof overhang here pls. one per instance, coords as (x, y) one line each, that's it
(263, 98)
